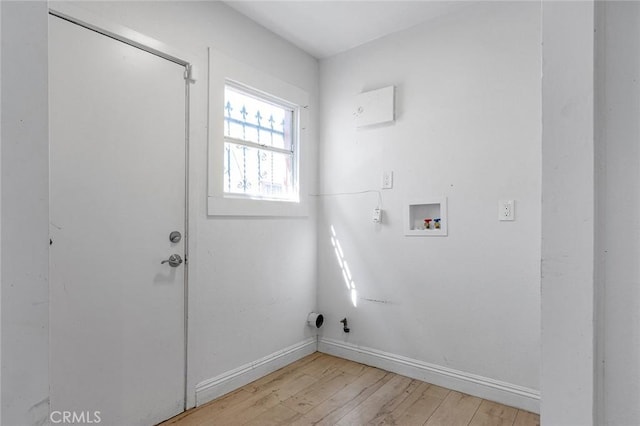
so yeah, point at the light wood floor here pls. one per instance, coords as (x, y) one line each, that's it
(324, 390)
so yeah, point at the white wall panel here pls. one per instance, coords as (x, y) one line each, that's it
(25, 195)
(467, 128)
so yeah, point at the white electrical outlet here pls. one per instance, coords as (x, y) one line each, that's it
(387, 180)
(506, 210)
(377, 215)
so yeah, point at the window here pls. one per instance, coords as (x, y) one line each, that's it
(260, 146)
(240, 178)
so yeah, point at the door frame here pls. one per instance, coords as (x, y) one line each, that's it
(88, 20)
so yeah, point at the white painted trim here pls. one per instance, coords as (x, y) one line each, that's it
(224, 383)
(88, 19)
(472, 384)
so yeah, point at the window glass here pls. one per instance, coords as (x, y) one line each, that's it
(259, 149)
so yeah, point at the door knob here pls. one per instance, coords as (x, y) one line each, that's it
(174, 260)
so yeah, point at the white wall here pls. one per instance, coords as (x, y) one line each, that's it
(0, 224)
(568, 214)
(25, 192)
(618, 177)
(468, 128)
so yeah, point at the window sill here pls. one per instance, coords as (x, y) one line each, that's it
(229, 206)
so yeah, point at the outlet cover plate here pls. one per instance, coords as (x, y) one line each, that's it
(506, 210)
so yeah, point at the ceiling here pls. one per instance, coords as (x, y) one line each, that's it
(326, 28)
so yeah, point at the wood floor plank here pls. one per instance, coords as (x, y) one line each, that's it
(381, 402)
(323, 389)
(323, 366)
(350, 367)
(275, 416)
(416, 409)
(200, 415)
(282, 374)
(525, 418)
(457, 409)
(437, 392)
(392, 405)
(494, 414)
(262, 401)
(332, 410)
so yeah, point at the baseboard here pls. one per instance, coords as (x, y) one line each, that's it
(483, 387)
(215, 387)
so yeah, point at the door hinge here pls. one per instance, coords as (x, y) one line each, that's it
(189, 73)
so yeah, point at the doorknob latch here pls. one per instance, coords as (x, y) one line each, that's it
(174, 260)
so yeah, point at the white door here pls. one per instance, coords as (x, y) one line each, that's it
(117, 150)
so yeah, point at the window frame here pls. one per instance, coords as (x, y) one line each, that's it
(252, 92)
(222, 71)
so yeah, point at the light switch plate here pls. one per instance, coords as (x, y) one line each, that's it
(387, 180)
